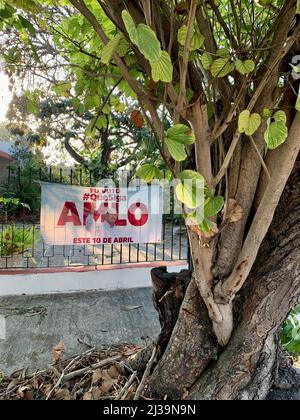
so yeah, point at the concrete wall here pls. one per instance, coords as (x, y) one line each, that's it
(65, 282)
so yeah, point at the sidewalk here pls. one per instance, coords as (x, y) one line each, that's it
(35, 324)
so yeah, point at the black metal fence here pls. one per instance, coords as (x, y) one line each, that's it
(21, 245)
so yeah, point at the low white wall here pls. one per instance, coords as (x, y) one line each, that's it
(47, 283)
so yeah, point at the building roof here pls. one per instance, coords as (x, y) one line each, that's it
(7, 156)
(5, 150)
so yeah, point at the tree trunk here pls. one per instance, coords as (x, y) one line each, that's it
(247, 368)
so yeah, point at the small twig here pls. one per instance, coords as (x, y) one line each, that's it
(76, 373)
(124, 391)
(260, 158)
(70, 364)
(169, 292)
(80, 341)
(145, 375)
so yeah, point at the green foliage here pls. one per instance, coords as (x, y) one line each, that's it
(213, 206)
(197, 41)
(162, 70)
(182, 134)
(245, 67)
(249, 123)
(190, 189)
(10, 204)
(143, 37)
(177, 138)
(148, 172)
(176, 150)
(290, 332)
(206, 60)
(110, 48)
(17, 240)
(146, 40)
(221, 67)
(62, 89)
(277, 131)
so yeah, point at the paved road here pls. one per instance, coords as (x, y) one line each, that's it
(35, 324)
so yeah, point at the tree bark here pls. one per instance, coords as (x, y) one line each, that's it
(248, 368)
(168, 293)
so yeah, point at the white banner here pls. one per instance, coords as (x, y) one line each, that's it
(94, 215)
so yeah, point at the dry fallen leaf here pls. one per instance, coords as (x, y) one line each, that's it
(96, 393)
(25, 393)
(97, 376)
(129, 351)
(62, 394)
(113, 372)
(105, 380)
(57, 352)
(87, 396)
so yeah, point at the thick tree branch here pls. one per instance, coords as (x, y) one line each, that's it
(257, 94)
(185, 60)
(284, 159)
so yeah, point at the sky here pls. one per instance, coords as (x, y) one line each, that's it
(5, 96)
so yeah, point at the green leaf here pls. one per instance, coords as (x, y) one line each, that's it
(143, 37)
(26, 5)
(206, 60)
(277, 131)
(62, 89)
(208, 227)
(298, 7)
(298, 101)
(92, 101)
(249, 123)
(33, 107)
(110, 48)
(182, 134)
(27, 25)
(7, 12)
(193, 175)
(213, 206)
(197, 217)
(223, 53)
(245, 67)
(197, 39)
(130, 27)
(162, 69)
(106, 109)
(190, 189)
(123, 47)
(148, 43)
(148, 172)
(177, 150)
(221, 67)
(267, 113)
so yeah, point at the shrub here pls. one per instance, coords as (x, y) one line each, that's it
(17, 240)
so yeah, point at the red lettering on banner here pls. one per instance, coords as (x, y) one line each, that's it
(133, 220)
(103, 209)
(64, 218)
(70, 214)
